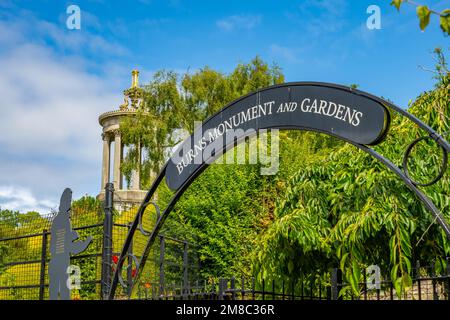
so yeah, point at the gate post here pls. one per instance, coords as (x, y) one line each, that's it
(223, 285)
(130, 266)
(107, 240)
(185, 270)
(336, 283)
(448, 277)
(43, 263)
(162, 249)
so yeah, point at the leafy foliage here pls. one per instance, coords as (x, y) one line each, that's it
(219, 213)
(424, 13)
(424, 16)
(329, 205)
(173, 102)
(347, 209)
(18, 256)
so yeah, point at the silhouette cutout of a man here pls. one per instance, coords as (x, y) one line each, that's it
(62, 245)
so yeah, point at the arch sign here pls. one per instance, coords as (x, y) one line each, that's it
(329, 109)
(354, 116)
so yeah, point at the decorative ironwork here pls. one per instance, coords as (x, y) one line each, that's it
(141, 213)
(443, 166)
(348, 136)
(426, 284)
(330, 109)
(120, 268)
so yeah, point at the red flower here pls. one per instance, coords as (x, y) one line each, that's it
(115, 259)
(133, 273)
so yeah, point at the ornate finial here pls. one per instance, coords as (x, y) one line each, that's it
(134, 78)
(134, 93)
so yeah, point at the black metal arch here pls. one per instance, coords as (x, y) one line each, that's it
(402, 174)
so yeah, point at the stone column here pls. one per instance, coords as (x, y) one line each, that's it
(118, 148)
(106, 160)
(136, 180)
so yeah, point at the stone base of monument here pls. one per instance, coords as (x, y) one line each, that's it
(125, 199)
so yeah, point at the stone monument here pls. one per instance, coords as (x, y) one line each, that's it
(124, 197)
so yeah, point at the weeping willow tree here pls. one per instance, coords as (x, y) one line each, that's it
(346, 209)
(173, 102)
(329, 205)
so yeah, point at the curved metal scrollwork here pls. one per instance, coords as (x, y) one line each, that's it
(140, 215)
(120, 267)
(442, 168)
(131, 256)
(402, 173)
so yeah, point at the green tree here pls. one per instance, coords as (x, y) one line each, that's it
(346, 209)
(328, 205)
(173, 102)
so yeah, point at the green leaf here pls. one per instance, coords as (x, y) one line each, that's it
(406, 281)
(290, 266)
(408, 265)
(356, 271)
(397, 4)
(343, 260)
(445, 21)
(394, 272)
(354, 285)
(398, 285)
(424, 16)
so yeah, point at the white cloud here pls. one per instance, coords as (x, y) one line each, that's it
(13, 198)
(322, 17)
(27, 28)
(325, 7)
(49, 108)
(285, 53)
(364, 34)
(236, 22)
(78, 40)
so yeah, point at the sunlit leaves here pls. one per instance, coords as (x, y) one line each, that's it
(424, 16)
(346, 209)
(397, 3)
(445, 21)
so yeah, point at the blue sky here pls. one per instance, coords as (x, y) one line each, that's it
(54, 82)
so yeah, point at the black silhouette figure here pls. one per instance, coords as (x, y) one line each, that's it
(62, 245)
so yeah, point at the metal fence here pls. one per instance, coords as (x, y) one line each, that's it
(170, 261)
(173, 267)
(243, 288)
(25, 254)
(426, 285)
